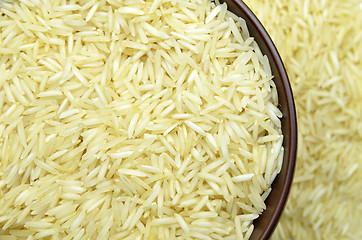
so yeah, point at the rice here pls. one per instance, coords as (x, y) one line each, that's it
(134, 120)
(326, 81)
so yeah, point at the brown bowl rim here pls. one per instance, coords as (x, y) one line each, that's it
(291, 141)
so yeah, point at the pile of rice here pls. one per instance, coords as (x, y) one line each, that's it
(321, 45)
(133, 120)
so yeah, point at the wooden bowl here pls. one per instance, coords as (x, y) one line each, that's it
(268, 220)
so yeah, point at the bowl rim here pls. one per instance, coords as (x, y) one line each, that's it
(292, 119)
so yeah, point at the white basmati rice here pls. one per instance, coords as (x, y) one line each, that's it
(133, 120)
(323, 60)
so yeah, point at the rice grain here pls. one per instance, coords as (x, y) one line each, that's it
(134, 120)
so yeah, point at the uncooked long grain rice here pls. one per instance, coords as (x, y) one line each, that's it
(133, 120)
(321, 45)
